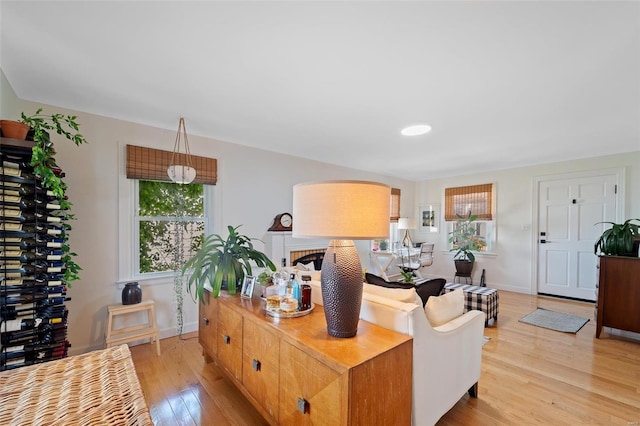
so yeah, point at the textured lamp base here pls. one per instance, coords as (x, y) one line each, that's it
(341, 285)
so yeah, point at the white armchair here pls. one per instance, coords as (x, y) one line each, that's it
(446, 359)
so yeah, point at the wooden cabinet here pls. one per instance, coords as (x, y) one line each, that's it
(294, 373)
(618, 294)
(208, 329)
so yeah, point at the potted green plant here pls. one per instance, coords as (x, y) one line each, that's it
(465, 241)
(45, 167)
(221, 261)
(617, 240)
(42, 158)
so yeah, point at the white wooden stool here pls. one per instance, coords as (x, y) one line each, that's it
(135, 332)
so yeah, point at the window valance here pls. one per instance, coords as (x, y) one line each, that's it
(151, 164)
(462, 200)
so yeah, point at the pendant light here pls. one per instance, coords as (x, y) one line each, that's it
(181, 173)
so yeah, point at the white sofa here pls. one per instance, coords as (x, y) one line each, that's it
(446, 359)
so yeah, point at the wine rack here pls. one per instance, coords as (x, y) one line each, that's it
(33, 315)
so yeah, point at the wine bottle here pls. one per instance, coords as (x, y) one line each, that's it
(14, 215)
(21, 299)
(24, 178)
(21, 256)
(17, 164)
(32, 243)
(21, 190)
(28, 204)
(27, 323)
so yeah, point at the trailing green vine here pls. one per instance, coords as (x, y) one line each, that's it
(45, 167)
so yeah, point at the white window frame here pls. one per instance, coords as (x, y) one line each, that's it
(488, 235)
(128, 231)
(136, 231)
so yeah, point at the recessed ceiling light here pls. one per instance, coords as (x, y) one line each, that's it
(419, 129)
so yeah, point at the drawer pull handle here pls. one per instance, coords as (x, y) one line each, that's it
(226, 339)
(303, 405)
(256, 365)
(206, 321)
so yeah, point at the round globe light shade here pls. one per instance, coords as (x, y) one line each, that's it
(179, 173)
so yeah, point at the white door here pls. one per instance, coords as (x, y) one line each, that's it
(568, 209)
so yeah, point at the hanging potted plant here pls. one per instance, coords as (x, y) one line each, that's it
(618, 240)
(465, 241)
(223, 261)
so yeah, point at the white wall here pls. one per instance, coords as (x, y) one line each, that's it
(254, 185)
(511, 266)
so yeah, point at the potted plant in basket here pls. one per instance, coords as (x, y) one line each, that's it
(223, 261)
(618, 240)
(465, 242)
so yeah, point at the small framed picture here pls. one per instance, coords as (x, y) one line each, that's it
(247, 287)
(428, 217)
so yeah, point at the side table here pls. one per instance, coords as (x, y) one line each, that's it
(478, 298)
(128, 334)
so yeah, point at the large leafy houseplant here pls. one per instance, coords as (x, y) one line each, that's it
(464, 238)
(45, 167)
(617, 240)
(223, 260)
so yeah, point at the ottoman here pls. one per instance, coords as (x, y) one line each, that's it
(478, 298)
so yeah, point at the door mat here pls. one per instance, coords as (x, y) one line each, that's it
(555, 320)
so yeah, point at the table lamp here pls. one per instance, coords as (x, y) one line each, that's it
(342, 211)
(406, 223)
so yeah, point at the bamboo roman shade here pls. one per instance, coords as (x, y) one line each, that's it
(395, 204)
(151, 164)
(476, 199)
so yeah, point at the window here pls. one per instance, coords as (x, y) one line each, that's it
(170, 223)
(474, 200)
(160, 223)
(395, 204)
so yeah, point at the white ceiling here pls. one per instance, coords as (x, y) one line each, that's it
(503, 84)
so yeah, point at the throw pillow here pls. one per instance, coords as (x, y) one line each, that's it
(376, 280)
(430, 288)
(442, 309)
(406, 295)
(306, 267)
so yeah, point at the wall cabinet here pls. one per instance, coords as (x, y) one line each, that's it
(294, 373)
(618, 294)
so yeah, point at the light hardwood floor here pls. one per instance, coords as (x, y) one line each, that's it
(530, 375)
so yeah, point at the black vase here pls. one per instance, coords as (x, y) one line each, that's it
(131, 293)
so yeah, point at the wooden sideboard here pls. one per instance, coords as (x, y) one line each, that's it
(294, 373)
(618, 294)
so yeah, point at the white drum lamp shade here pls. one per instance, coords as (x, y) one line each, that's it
(342, 211)
(406, 223)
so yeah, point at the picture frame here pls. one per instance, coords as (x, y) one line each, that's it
(247, 287)
(429, 218)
